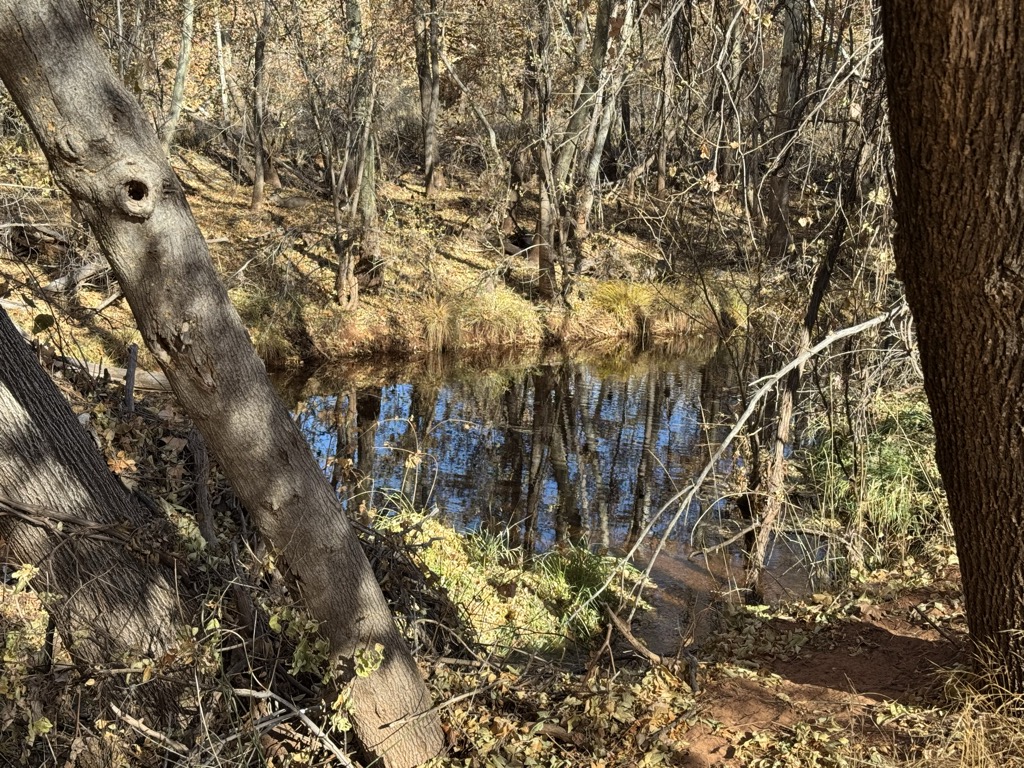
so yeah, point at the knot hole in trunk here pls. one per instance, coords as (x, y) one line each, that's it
(136, 199)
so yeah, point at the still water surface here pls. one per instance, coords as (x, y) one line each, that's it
(560, 450)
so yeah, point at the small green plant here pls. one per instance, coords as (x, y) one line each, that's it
(576, 579)
(885, 491)
(368, 660)
(311, 648)
(542, 607)
(23, 576)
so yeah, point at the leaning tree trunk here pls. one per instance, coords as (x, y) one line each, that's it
(102, 150)
(955, 74)
(63, 511)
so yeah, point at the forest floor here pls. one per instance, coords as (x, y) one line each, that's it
(872, 675)
(857, 677)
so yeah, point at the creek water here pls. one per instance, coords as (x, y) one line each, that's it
(551, 451)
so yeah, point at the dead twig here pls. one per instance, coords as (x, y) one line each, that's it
(316, 730)
(723, 545)
(162, 739)
(651, 656)
(956, 643)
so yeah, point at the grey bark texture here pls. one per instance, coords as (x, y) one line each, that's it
(428, 39)
(62, 510)
(180, 74)
(791, 86)
(259, 109)
(955, 74)
(104, 153)
(547, 188)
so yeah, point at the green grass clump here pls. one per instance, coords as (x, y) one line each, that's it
(885, 491)
(542, 608)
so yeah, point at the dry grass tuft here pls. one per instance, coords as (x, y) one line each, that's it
(500, 318)
(641, 312)
(983, 728)
(267, 321)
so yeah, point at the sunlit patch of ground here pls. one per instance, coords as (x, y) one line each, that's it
(851, 679)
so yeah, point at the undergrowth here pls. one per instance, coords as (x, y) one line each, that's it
(882, 488)
(550, 606)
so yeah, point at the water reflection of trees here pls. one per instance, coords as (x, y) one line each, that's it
(562, 452)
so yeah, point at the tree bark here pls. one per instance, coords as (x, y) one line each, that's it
(259, 130)
(108, 600)
(612, 77)
(588, 69)
(730, 19)
(225, 110)
(362, 158)
(104, 153)
(677, 23)
(792, 72)
(428, 34)
(955, 74)
(181, 74)
(369, 268)
(547, 188)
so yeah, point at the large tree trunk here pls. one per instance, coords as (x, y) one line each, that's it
(63, 511)
(103, 152)
(955, 74)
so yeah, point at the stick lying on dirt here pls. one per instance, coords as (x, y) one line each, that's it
(148, 380)
(672, 665)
